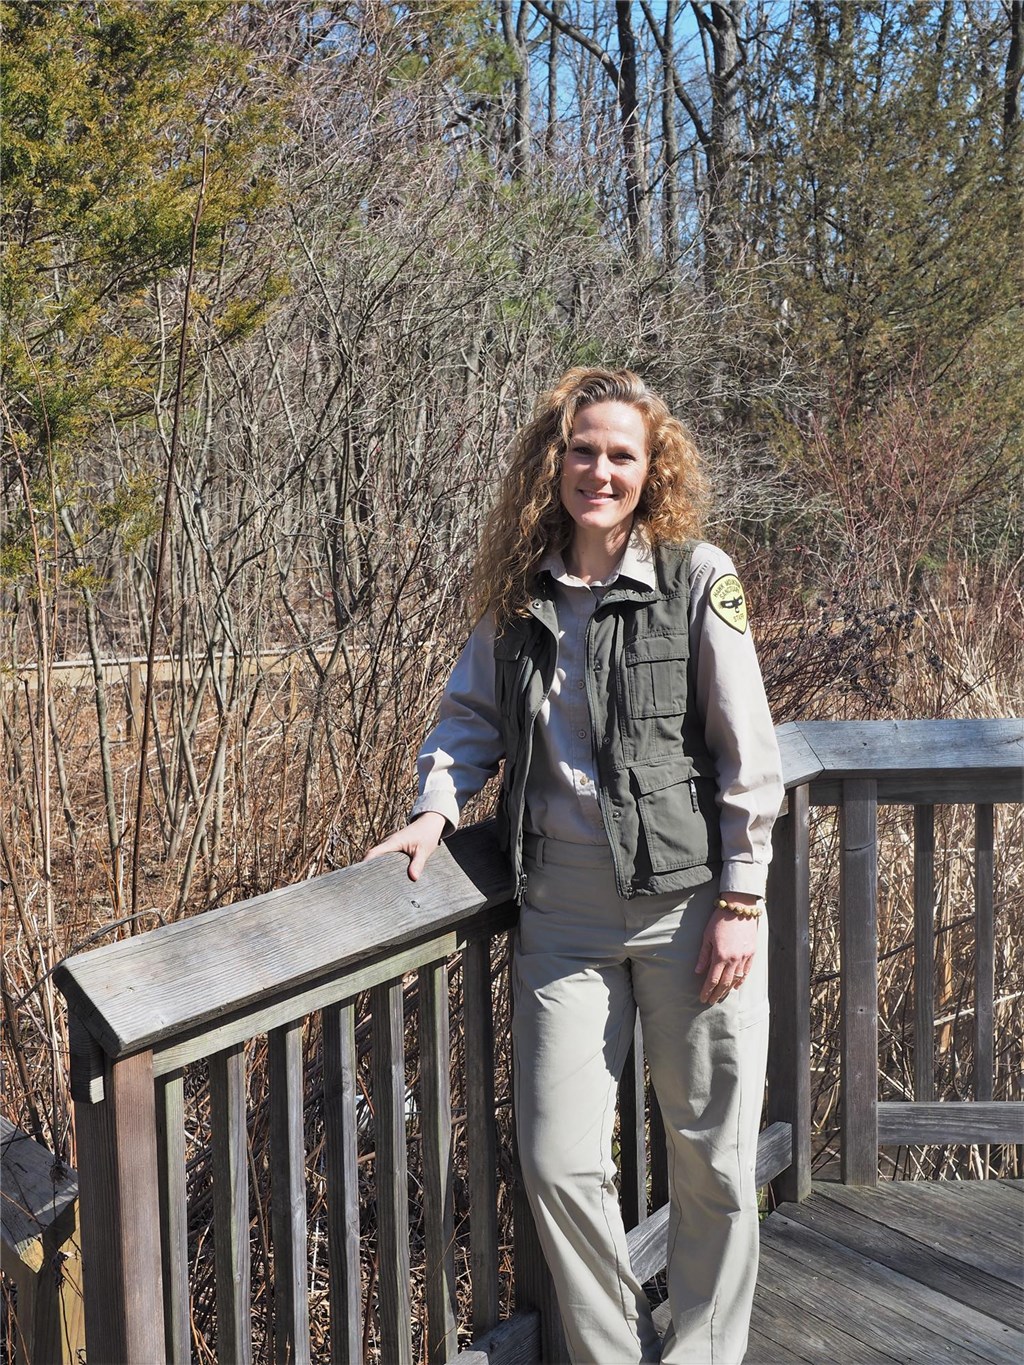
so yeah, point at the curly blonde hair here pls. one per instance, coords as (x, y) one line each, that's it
(528, 519)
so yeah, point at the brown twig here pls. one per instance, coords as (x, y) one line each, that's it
(165, 525)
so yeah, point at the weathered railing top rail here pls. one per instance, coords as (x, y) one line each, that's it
(911, 760)
(234, 970)
(245, 968)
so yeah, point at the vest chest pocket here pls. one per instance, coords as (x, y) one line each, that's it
(656, 682)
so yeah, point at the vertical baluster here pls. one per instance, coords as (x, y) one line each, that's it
(339, 1044)
(436, 1139)
(288, 1196)
(984, 951)
(170, 1137)
(789, 1054)
(924, 953)
(858, 922)
(231, 1205)
(632, 1136)
(483, 1152)
(391, 1174)
(659, 1154)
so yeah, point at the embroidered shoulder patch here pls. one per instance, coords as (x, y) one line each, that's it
(728, 601)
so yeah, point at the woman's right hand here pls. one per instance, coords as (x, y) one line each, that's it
(418, 839)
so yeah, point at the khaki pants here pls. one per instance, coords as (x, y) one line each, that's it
(585, 961)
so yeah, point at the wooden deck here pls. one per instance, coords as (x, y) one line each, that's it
(851, 1273)
(911, 1271)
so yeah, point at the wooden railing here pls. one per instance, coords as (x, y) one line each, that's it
(132, 672)
(144, 1011)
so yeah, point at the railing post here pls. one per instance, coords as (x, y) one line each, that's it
(858, 969)
(789, 1054)
(119, 1181)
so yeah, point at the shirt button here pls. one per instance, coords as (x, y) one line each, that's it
(581, 685)
(581, 734)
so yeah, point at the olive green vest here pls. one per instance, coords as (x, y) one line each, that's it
(655, 777)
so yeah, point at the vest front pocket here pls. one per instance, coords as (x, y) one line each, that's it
(668, 804)
(656, 675)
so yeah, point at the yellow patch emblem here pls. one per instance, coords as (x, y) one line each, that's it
(728, 601)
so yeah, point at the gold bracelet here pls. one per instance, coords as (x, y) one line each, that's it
(744, 911)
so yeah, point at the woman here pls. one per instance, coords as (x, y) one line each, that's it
(613, 671)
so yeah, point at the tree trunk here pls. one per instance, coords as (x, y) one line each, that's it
(552, 124)
(515, 37)
(670, 142)
(632, 134)
(1014, 75)
(723, 30)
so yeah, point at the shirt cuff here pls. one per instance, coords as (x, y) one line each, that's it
(745, 879)
(440, 804)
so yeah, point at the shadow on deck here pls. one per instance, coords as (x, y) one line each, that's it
(910, 1271)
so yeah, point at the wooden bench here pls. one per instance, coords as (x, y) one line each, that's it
(41, 1250)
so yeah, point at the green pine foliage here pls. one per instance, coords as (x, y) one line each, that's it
(109, 112)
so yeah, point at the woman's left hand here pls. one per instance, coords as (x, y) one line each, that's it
(727, 951)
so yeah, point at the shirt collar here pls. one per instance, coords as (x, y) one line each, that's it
(636, 564)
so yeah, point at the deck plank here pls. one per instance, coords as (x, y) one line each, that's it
(821, 1330)
(774, 1340)
(948, 1227)
(860, 1312)
(905, 1272)
(1000, 1225)
(883, 1306)
(917, 1260)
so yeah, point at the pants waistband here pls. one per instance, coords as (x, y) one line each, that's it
(557, 853)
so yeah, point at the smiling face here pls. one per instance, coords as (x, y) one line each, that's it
(604, 472)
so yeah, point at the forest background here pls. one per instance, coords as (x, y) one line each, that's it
(280, 280)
